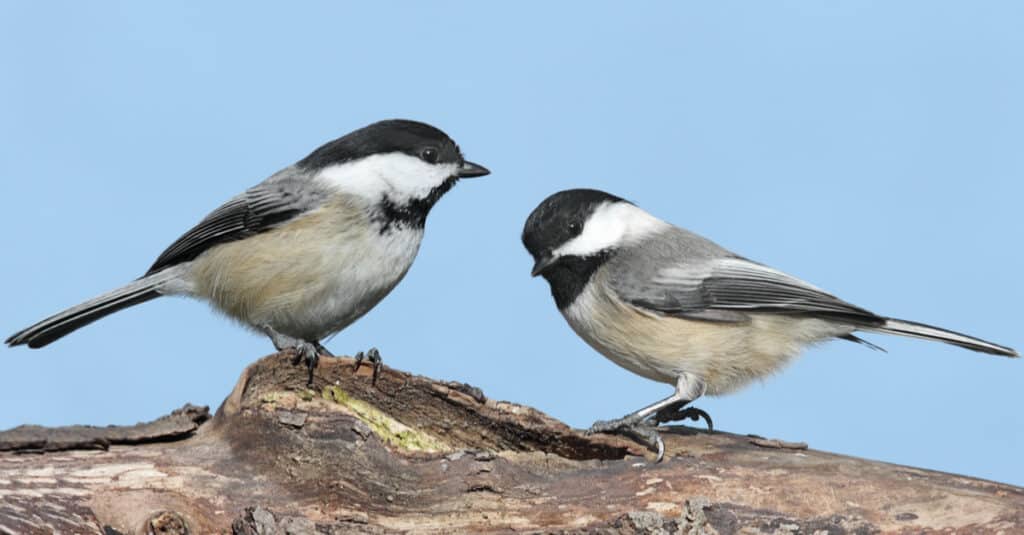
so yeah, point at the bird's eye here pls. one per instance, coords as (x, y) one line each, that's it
(575, 227)
(429, 155)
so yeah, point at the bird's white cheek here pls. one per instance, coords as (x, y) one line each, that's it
(611, 225)
(418, 180)
(398, 176)
(595, 237)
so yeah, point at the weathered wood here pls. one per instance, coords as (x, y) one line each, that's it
(417, 455)
(36, 439)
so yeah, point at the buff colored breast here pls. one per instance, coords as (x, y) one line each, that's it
(726, 356)
(311, 277)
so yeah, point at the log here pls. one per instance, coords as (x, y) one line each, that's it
(415, 455)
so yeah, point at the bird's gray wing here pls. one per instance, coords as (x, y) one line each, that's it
(724, 287)
(267, 205)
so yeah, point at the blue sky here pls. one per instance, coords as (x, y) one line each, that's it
(871, 148)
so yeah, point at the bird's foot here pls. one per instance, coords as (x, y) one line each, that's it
(308, 353)
(373, 357)
(679, 412)
(613, 426)
(635, 428)
(301, 350)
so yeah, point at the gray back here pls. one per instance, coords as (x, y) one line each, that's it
(679, 273)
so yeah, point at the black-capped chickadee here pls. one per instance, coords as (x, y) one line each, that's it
(309, 250)
(673, 307)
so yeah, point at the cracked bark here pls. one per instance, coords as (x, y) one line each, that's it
(417, 455)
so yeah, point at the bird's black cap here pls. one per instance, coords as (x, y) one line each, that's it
(560, 218)
(395, 135)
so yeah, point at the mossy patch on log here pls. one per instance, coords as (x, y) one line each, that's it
(385, 427)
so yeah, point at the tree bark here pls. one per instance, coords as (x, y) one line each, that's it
(417, 455)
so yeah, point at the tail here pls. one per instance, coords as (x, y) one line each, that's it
(76, 317)
(927, 332)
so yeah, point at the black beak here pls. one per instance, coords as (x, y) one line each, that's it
(542, 263)
(472, 170)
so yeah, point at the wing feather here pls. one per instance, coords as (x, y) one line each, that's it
(716, 289)
(260, 208)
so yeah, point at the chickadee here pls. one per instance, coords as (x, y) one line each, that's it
(673, 307)
(309, 250)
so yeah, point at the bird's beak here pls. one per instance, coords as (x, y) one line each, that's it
(543, 263)
(472, 170)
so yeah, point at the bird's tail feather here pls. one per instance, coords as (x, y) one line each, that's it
(78, 316)
(928, 332)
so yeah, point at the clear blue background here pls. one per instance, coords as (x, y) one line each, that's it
(872, 148)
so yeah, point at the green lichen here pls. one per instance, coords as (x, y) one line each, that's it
(271, 398)
(387, 428)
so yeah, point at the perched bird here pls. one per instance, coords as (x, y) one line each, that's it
(674, 307)
(309, 250)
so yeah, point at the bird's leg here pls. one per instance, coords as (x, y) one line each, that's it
(688, 388)
(303, 351)
(634, 426)
(323, 350)
(373, 357)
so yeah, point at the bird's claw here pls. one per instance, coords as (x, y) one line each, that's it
(644, 430)
(301, 351)
(308, 353)
(648, 435)
(679, 413)
(373, 357)
(634, 428)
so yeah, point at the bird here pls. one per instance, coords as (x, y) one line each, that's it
(307, 251)
(677, 308)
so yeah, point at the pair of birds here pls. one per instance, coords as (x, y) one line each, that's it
(312, 248)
